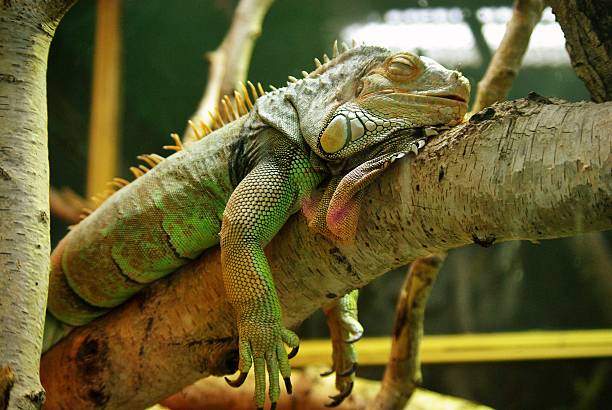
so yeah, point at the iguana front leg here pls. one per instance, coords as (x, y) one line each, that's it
(257, 209)
(344, 330)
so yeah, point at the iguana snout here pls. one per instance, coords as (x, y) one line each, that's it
(402, 92)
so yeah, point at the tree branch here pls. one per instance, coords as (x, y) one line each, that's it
(403, 371)
(230, 62)
(310, 392)
(26, 30)
(586, 25)
(506, 61)
(525, 169)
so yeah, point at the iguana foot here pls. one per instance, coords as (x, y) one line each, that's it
(262, 344)
(345, 330)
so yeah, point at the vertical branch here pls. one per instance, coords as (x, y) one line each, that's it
(229, 63)
(26, 30)
(403, 371)
(104, 117)
(507, 59)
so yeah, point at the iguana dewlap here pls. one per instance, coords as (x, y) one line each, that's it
(314, 144)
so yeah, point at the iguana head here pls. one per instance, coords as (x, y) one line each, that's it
(400, 92)
(360, 112)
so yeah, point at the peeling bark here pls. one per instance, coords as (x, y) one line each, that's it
(26, 30)
(527, 169)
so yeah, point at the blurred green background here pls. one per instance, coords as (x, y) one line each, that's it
(560, 284)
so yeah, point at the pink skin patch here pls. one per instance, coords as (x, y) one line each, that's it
(338, 214)
(342, 218)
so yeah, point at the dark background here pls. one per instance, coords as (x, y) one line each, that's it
(559, 284)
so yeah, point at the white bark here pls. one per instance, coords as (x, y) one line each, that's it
(526, 169)
(26, 30)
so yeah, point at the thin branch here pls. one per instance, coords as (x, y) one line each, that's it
(506, 61)
(485, 181)
(229, 63)
(105, 100)
(403, 371)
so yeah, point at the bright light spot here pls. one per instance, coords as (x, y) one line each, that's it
(547, 43)
(443, 34)
(437, 33)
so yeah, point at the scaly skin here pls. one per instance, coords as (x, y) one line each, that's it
(345, 123)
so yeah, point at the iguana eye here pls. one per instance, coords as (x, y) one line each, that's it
(402, 67)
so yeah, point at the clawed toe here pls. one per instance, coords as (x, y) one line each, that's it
(293, 352)
(288, 385)
(239, 380)
(339, 398)
(327, 373)
(350, 371)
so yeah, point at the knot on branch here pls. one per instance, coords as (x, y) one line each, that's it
(483, 115)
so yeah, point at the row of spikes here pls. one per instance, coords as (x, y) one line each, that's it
(230, 110)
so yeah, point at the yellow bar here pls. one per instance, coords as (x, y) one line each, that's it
(104, 117)
(484, 347)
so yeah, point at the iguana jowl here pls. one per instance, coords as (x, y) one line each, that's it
(314, 144)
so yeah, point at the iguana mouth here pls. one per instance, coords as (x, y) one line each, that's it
(447, 95)
(450, 97)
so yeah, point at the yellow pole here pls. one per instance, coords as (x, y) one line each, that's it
(104, 117)
(484, 347)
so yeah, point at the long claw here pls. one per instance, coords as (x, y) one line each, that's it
(334, 403)
(339, 398)
(288, 385)
(293, 352)
(327, 373)
(350, 371)
(239, 380)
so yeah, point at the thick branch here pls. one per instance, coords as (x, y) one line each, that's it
(587, 26)
(525, 169)
(506, 61)
(230, 62)
(26, 30)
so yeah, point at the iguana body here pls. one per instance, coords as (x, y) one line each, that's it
(344, 123)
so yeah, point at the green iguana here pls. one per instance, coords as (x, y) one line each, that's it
(313, 145)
